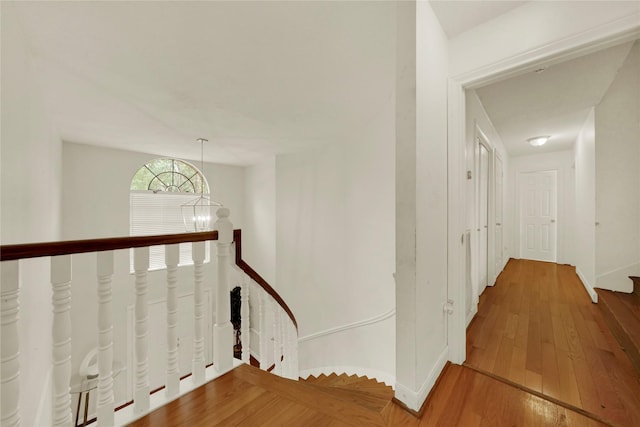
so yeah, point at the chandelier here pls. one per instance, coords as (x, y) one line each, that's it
(199, 214)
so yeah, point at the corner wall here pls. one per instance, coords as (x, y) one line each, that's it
(617, 158)
(585, 196)
(30, 209)
(335, 249)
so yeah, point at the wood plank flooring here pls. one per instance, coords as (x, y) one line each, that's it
(247, 396)
(538, 328)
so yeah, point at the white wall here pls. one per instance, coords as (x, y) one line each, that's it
(29, 209)
(259, 233)
(96, 185)
(421, 201)
(562, 161)
(476, 116)
(335, 246)
(617, 127)
(585, 206)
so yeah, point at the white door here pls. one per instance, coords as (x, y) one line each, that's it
(538, 205)
(499, 258)
(483, 217)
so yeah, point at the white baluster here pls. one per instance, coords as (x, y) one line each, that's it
(10, 349)
(105, 402)
(198, 368)
(172, 258)
(283, 341)
(223, 329)
(277, 350)
(264, 340)
(245, 321)
(288, 367)
(294, 351)
(61, 300)
(140, 266)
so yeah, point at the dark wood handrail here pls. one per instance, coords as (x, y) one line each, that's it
(68, 247)
(237, 237)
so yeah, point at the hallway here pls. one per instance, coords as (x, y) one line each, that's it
(538, 328)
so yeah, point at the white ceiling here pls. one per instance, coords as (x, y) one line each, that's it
(260, 78)
(456, 17)
(255, 78)
(553, 102)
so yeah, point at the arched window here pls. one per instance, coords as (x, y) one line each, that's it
(157, 192)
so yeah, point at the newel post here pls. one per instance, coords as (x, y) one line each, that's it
(223, 329)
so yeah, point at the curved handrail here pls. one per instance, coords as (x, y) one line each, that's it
(68, 247)
(237, 238)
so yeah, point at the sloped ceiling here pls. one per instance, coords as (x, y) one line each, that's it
(457, 16)
(255, 78)
(554, 101)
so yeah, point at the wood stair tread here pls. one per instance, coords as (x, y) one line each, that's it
(621, 313)
(372, 401)
(321, 399)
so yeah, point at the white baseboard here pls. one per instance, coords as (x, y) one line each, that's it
(384, 377)
(415, 399)
(471, 314)
(587, 286)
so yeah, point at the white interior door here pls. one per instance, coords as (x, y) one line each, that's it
(538, 213)
(483, 217)
(499, 257)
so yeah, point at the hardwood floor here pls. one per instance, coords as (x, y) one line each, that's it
(247, 396)
(538, 328)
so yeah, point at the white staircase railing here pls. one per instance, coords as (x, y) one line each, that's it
(278, 335)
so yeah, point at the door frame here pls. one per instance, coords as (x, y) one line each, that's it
(480, 138)
(591, 40)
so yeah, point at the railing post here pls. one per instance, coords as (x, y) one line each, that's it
(10, 349)
(277, 343)
(262, 316)
(172, 258)
(223, 329)
(105, 402)
(141, 394)
(61, 331)
(198, 368)
(245, 333)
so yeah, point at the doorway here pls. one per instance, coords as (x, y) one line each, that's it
(483, 182)
(499, 187)
(538, 212)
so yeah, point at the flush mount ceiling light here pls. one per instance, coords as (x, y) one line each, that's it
(537, 141)
(199, 214)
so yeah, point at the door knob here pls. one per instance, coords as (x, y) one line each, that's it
(553, 220)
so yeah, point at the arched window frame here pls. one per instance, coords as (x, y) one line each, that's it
(156, 193)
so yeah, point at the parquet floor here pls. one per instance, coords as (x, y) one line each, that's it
(538, 328)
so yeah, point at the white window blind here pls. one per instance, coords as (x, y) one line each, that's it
(159, 213)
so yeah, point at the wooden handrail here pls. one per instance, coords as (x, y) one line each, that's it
(237, 237)
(68, 247)
(35, 250)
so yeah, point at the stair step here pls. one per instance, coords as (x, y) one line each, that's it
(354, 384)
(367, 400)
(325, 399)
(621, 312)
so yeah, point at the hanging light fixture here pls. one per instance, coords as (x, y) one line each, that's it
(199, 213)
